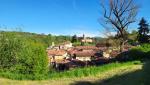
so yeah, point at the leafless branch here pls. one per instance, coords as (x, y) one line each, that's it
(120, 14)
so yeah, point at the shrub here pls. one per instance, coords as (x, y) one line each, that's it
(9, 49)
(21, 56)
(137, 53)
(145, 48)
(32, 60)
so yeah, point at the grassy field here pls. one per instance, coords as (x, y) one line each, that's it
(114, 74)
(74, 73)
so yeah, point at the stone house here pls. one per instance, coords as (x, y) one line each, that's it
(63, 46)
(84, 55)
(56, 55)
(86, 40)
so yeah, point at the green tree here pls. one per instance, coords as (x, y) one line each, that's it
(9, 48)
(74, 38)
(22, 55)
(33, 59)
(143, 30)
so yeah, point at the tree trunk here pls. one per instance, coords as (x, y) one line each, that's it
(122, 46)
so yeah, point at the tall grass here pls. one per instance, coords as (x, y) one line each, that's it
(75, 73)
(89, 71)
(18, 76)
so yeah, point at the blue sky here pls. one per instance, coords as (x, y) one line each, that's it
(59, 17)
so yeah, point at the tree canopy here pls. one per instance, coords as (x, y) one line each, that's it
(143, 31)
(118, 15)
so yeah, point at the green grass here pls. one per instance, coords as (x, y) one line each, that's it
(112, 72)
(75, 73)
(137, 77)
(16, 76)
(90, 71)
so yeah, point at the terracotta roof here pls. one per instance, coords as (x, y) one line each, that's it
(84, 53)
(72, 51)
(56, 52)
(86, 47)
(89, 52)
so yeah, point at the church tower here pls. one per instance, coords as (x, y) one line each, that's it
(84, 37)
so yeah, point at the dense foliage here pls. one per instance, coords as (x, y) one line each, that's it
(143, 31)
(137, 53)
(20, 55)
(75, 73)
(45, 40)
(74, 38)
(145, 48)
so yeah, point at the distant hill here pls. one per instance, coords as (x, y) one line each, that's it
(42, 38)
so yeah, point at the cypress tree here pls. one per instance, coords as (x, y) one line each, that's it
(143, 31)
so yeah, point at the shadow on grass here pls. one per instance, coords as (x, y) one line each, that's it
(139, 77)
(126, 79)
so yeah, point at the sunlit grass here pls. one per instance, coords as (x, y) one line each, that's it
(75, 73)
(80, 74)
(90, 71)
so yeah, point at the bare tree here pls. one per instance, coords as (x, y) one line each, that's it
(118, 15)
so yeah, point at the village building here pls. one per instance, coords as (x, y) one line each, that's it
(56, 55)
(63, 46)
(65, 56)
(85, 53)
(86, 48)
(86, 40)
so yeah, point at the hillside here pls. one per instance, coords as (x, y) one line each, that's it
(46, 40)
